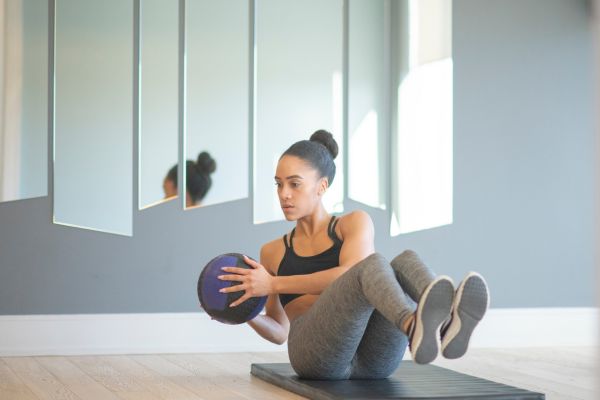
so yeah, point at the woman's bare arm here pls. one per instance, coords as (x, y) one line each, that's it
(274, 325)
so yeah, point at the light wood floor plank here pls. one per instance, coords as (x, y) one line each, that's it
(541, 366)
(243, 361)
(41, 382)
(11, 387)
(150, 379)
(198, 382)
(564, 357)
(77, 380)
(228, 369)
(123, 386)
(498, 367)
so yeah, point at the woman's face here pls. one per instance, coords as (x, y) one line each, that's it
(298, 186)
(169, 188)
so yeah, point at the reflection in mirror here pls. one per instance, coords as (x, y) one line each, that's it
(298, 90)
(367, 114)
(422, 173)
(217, 81)
(93, 114)
(23, 99)
(198, 180)
(158, 135)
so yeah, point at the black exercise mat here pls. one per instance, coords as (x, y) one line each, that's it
(410, 381)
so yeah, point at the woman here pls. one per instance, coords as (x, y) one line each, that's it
(198, 180)
(342, 306)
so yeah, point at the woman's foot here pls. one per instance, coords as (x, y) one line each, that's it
(470, 304)
(433, 309)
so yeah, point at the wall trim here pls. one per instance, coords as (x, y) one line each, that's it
(83, 334)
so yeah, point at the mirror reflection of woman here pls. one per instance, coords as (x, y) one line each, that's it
(198, 180)
(346, 311)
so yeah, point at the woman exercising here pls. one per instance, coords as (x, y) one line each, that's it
(342, 307)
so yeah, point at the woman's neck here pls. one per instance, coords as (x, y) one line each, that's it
(314, 223)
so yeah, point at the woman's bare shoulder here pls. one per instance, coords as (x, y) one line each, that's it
(357, 219)
(271, 254)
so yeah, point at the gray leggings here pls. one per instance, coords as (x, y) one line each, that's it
(353, 330)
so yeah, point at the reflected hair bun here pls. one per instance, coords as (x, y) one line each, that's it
(205, 163)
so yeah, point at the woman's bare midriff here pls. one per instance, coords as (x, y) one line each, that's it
(299, 305)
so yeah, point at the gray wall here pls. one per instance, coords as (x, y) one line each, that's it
(523, 183)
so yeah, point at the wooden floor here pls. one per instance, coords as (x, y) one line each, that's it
(561, 373)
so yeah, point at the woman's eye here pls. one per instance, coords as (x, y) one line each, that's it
(277, 184)
(295, 184)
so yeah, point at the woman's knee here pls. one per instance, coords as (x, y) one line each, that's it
(407, 257)
(408, 254)
(374, 260)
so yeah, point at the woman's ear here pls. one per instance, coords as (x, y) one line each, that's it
(323, 185)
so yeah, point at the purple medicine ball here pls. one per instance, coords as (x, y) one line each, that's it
(216, 304)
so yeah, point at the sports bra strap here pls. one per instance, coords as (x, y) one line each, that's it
(330, 224)
(285, 242)
(332, 233)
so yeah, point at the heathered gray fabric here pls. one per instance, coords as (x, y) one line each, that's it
(353, 330)
(412, 274)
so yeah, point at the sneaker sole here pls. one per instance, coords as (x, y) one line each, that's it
(432, 311)
(470, 304)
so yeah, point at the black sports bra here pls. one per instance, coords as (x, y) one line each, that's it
(293, 264)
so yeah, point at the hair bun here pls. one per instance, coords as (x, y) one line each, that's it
(205, 163)
(326, 139)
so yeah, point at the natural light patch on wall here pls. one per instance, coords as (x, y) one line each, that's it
(333, 200)
(364, 169)
(368, 98)
(422, 188)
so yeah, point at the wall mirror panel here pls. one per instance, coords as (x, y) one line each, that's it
(422, 150)
(93, 115)
(399, 103)
(299, 46)
(23, 99)
(159, 101)
(217, 101)
(368, 114)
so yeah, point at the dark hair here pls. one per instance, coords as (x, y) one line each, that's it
(197, 175)
(319, 151)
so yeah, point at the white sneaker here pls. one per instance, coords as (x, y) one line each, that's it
(470, 304)
(432, 310)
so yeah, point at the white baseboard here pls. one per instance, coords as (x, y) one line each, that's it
(24, 335)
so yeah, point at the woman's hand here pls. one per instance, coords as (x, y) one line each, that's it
(256, 281)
